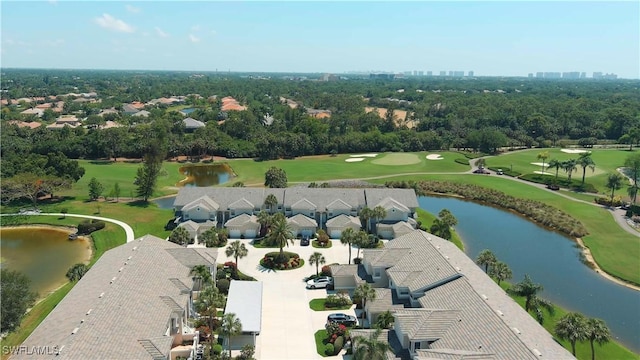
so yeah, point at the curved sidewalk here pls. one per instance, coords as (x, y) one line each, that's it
(127, 229)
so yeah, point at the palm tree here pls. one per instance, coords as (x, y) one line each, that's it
(347, 238)
(180, 236)
(486, 258)
(586, 161)
(280, 233)
(527, 289)
(202, 274)
(209, 301)
(597, 331)
(361, 239)
(614, 182)
(317, 259)
(572, 327)
(441, 228)
(500, 271)
(271, 201)
(378, 213)
(543, 156)
(76, 272)
(555, 164)
(231, 326)
(264, 219)
(384, 320)
(569, 166)
(365, 215)
(366, 293)
(237, 250)
(370, 348)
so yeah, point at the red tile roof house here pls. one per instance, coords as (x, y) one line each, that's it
(23, 124)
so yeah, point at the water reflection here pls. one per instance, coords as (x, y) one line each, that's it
(550, 259)
(205, 175)
(43, 254)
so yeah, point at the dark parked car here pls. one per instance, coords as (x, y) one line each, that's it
(344, 319)
(481, 171)
(304, 241)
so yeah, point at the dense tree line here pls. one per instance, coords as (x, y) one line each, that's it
(482, 114)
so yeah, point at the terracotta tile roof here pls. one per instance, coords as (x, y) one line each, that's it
(22, 124)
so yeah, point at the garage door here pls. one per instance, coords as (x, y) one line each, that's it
(234, 234)
(250, 234)
(306, 232)
(335, 234)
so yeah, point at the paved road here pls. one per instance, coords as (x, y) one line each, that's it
(127, 229)
(288, 324)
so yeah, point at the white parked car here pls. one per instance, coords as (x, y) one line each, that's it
(320, 283)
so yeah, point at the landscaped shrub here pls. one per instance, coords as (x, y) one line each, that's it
(216, 349)
(574, 184)
(338, 345)
(223, 286)
(328, 349)
(617, 201)
(289, 260)
(505, 170)
(463, 161)
(88, 226)
(336, 301)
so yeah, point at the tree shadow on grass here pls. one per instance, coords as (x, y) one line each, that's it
(139, 204)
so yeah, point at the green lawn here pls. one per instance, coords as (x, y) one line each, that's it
(325, 167)
(319, 305)
(606, 160)
(320, 336)
(426, 218)
(612, 350)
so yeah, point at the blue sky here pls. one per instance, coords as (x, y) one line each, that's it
(509, 38)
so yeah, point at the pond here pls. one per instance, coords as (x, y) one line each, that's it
(205, 175)
(550, 259)
(43, 254)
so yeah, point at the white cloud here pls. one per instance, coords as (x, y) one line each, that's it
(132, 9)
(161, 33)
(193, 38)
(109, 22)
(196, 27)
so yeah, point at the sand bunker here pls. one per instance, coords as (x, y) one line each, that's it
(573, 151)
(540, 164)
(543, 173)
(434, 157)
(354, 159)
(363, 155)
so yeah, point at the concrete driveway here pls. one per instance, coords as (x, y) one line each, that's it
(288, 324)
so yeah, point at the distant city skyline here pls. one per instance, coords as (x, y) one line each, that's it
(515, 38)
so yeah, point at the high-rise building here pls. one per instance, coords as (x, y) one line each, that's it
(451, 73)
(530, 75)
(429, 73)
(570, 75)
(471, 73)
(420, 73)
(407, 73)
(597, 75)
(583, 75)
(539, 75)
(443, 73)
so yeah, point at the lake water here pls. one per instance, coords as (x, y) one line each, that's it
(43, 254)
(205, 175)
(550, 259)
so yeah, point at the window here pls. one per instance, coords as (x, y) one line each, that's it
(376, 273)
(416, 345)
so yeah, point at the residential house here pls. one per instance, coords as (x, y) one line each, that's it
(243, 226)
(104, 112)
(333, 209)
(129, 109)
(65, 120)
(191, 124)
(444, 305)
(142, 113)
(318, 113)
(245, 301)
(24, 124)
(133, 303)
(33, 111)
(197, 228)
